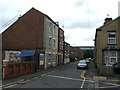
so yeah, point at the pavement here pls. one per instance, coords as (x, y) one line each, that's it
(92, 74)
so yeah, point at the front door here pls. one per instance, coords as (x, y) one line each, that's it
(41, 60)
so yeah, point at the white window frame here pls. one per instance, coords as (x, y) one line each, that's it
(115, 57)
(108, 57)
(50, 39)
(112, 38)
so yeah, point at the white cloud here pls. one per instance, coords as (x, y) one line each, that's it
(79, 17)
(80, 36)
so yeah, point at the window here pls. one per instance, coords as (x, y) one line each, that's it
(113, 53)
(111, 41)
(54, 43)
(61, 45)
(111, 38)
(113, 60)
(54, 29)
(49, 42)
(61, 34)
(113, 57)
(110, 57)
(50, 27)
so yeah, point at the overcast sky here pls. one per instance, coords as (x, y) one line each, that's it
(80, 18)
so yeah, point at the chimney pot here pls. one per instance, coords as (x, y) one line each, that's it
(107, 20)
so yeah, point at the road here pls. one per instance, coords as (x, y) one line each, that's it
(67, 76)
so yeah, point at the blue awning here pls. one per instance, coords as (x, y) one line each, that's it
(26, 53)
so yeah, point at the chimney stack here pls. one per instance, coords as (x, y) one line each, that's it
(57, 23)
(107, 20)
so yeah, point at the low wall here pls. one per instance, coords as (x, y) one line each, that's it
(105, 70)
(17, 69)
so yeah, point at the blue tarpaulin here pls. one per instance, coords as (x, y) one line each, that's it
(26, 53)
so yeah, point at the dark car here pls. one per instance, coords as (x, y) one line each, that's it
(82, 64)
(116, 68)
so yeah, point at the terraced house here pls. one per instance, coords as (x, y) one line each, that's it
(33, 34)
(107, 45)
(60, 47)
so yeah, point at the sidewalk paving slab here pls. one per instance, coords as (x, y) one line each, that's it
(92, 74)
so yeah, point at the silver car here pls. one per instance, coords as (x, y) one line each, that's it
(82, 64)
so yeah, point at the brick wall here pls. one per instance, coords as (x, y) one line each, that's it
(27, 32)
(17, 69)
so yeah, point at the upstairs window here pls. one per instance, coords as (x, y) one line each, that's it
(54, 43)
(50, 27)
(49, 42)
(111, 37)
(54, 29)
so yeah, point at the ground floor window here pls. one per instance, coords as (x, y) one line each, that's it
(110, 57)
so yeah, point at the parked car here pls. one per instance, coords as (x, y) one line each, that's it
(87, 60)
(82, 64)
(116, 68)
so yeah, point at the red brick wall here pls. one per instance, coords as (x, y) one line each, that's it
(14, 70)
(77, 52)
(26, 32)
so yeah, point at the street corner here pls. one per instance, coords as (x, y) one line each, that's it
(99, 78)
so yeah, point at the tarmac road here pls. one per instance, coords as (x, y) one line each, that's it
(65, 76)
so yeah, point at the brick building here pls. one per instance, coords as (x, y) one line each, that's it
(107, 45)
(60, 46)
(66, 52)
(76, 53)
(34, 31)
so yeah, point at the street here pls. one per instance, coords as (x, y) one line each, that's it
(65, 76)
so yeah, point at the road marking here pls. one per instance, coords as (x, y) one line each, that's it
(103, 82)
(109, 87)
(34, 77)
(83, 74)
(96, 84)
(10, 86)
(64, 77)
(24, 81)
(47, 73)
(13, 83)
(110, 84)
(83, 83)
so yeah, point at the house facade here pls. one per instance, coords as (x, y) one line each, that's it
(51, 42)
(76, 53)
(66, 53)
(60, 47)
(34, 31)
(107, 44)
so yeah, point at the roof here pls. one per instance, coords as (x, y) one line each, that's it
(99, 29)
(17, 18)
(45, 15)
(109, 22)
